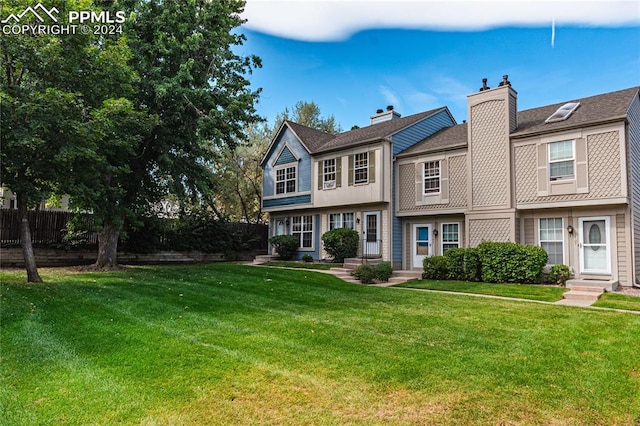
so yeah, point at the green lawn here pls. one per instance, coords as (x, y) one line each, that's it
(232, 344)
(518, 291)
(618, 301)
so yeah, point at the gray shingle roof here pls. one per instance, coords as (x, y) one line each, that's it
(592, 110)
(317, 141)
(447, 138)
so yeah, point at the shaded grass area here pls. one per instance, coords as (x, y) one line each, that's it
(518, 291)
(618, 301)
(233, 344)
(302, 265)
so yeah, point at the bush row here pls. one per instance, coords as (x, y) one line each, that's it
(489, 262)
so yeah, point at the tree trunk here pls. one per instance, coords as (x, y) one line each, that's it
(108, 246)
(25, 241)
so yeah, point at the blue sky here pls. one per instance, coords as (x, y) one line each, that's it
(352, 65)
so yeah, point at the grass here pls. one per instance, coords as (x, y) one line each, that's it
(302, 265)
(233, 344)
(518, 291)
(618, 301)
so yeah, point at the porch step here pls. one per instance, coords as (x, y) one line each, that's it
(354, 262)
(588, 283)
(583, 294)
(259, 260)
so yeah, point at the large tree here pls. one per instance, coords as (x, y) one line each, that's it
(197, 99)
(49, 87)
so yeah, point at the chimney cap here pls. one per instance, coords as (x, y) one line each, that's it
(379, 111)
(505, 81)
(484, 85)
(389, 107)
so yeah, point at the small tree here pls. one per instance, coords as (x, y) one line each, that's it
(341, 243)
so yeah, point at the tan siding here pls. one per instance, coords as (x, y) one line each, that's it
(529, 232)
(633, 145)
(605, 179)
(489, 174)
(457, 166)
(621, 238)
(488, 230)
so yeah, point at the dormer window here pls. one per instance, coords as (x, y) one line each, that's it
(563, 112)
(286, 180)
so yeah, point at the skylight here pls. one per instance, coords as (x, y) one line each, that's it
(563, 112)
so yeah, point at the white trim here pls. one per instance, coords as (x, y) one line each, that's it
(414, 244)
(539, 240)
(275, 179)
(277, 156)
(564, 160)
(442, 242)
(356, 168)
(438, 176)
(607, 226)
(375, 246)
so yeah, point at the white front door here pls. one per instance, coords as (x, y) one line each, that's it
(371, 235)
(595, 247)
(420, 240)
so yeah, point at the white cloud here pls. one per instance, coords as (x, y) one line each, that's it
(331, 20)
(390, 97)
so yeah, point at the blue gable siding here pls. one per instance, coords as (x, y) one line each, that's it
(286, 157)
(297, 150)
(415, 133)
(287, 201)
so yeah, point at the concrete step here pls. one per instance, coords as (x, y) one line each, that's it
(581, 295)
(595, 290)
(259, 260)
(608, 285)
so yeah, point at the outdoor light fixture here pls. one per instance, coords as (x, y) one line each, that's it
(570, 229)
(286, 221)
(358, 221)
(435, 232)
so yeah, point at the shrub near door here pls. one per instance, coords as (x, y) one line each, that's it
(341, 243)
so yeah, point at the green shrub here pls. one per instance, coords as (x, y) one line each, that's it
(341, 243)
(383, 271)
(472, 265)
(511, 262)
(307, 258)
(286, 245)
(364, 273)
(434, 268)
(455, 263)
(559, 274)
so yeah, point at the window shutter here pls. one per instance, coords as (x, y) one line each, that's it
(351, 170)
(320, 175)
(582, 170)
(338, 172)
(543, 176)
(444, 181)
(419, 182)
(372, 166)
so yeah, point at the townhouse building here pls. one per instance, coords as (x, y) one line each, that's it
(563, 176)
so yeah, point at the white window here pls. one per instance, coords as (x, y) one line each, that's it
(361, 168)
(561, 160)
(450, 236)
(551, 239)
(302, 228)
(341, 220)
(431, 177)
(329, 173)
(286, 180)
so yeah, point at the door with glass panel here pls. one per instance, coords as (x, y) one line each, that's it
(421, 243)
(594, 245)
(371, 233)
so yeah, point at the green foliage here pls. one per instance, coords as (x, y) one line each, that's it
(511, 262)
(434, 268)
(559, 274)
(383, 271)
(308, 114)
(286, 245)
(307, 258)
(365, 273)
(341, 243)
(463, 264)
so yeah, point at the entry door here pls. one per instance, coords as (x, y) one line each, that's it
(595, 249)
(280, 227)
(421, 243)
(371, 235)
